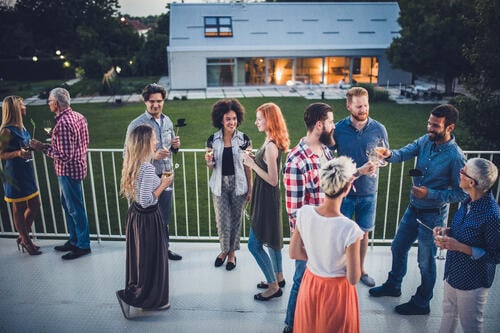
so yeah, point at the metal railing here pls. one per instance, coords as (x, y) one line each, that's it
(193, 217)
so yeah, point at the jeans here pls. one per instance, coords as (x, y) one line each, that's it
(270, 265)
(409, 231)
(360, 208)
(300, 267)
(74, 211)
(165, 205)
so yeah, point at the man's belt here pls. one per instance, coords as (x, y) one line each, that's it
(426, 210)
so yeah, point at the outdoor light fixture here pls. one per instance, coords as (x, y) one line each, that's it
(35, 58)
(118, 69)
(58, 52)
(66, 64)
(61, 57)
(130, 62)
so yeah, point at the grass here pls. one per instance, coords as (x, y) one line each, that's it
(108, 123)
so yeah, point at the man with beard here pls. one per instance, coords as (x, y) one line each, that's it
(439, 159)
(354, 137)
(301, 178)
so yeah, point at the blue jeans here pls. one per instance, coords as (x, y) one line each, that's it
(74, 210)
(360, 208)
(270, 265)
(409, 231)
(300, 268)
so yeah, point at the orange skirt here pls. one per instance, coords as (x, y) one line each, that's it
(328, 305)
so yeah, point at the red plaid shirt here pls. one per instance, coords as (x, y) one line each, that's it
(68, 149)
(301, 178)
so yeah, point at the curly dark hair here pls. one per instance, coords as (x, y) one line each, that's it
(223, 106)
(153, 88)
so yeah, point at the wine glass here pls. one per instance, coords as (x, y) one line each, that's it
(25, 147)
(442, 233)
(379, 149)
(47, 127)
(210, 153)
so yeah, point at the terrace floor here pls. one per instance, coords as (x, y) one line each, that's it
(46, 294)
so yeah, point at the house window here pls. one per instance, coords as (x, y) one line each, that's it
(218, 26)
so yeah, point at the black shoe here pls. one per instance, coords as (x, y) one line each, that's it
(230, 265)
(174, 256)
(124, 306)
(264, 285)
(384, 290)
(259, 297)
(288, 329)
(411, 309)
(76, 253)
(65, 247)
(219, 261)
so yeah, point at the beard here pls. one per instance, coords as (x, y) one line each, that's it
(360, 117)
(437, 137)
(326, 138)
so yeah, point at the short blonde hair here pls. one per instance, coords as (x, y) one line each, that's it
(336, 175)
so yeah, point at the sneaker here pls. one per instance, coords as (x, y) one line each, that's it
(384, 290)
(288, 329)
(367, 280)
(174, 256)
(409, 309)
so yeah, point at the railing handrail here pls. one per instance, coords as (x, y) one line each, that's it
(193, 217)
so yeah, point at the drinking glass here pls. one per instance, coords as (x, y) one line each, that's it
(25, 147)
(47, 127)
(442, 233)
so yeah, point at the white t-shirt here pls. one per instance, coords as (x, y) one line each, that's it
(325, 241)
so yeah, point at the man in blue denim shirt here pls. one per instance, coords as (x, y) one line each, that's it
(168, 143)
(440, 160)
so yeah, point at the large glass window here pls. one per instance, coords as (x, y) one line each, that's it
(309, 70)
(279, 71)
(218, 26)
(220, 72)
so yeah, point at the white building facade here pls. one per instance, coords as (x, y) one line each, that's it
(258, 44)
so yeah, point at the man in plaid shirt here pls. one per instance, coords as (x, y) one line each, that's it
(68, 149)
(301, 178)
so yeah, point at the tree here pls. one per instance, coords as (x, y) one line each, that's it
(484, 49)
(433, 34)
(152, 58)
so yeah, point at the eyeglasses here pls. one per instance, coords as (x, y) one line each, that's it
(463, 173)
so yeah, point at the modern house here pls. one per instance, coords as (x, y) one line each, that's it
(258, 44)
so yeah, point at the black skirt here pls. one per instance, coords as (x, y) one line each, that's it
(146, 280)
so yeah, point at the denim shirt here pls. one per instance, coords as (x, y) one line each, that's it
(440, 165)
(353, 143)
(241, 187)
(164, 135)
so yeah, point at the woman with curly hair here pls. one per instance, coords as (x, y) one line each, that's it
(146, 279)
(265, 209)
(20, 188)
(231, 182)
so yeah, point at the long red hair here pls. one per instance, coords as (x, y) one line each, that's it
(276, 125)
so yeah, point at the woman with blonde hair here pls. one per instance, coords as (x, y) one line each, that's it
(330, 242)
(265, 209)
(146, 279)
(20, 186)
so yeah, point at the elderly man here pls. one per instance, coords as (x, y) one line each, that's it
(68, 150)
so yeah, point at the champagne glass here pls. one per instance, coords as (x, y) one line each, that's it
(210, 154)
(380, 149)
(47, 127)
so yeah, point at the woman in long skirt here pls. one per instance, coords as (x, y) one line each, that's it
(146, 280)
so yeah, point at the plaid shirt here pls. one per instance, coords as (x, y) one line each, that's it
(68, 149)
(301, 178)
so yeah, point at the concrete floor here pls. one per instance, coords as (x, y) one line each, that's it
(46, 294)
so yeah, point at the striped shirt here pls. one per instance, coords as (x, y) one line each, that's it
(147, 182)
(68, 149)
(301, 178)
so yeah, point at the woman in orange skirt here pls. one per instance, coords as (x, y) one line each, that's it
(330, 242)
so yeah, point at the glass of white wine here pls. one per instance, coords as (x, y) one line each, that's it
(47, 127)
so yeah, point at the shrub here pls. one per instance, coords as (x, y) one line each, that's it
(375, 93)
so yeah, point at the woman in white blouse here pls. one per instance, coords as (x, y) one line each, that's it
(330, 243)
(146, 239)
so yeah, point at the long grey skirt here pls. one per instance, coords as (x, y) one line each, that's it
(146, 279)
